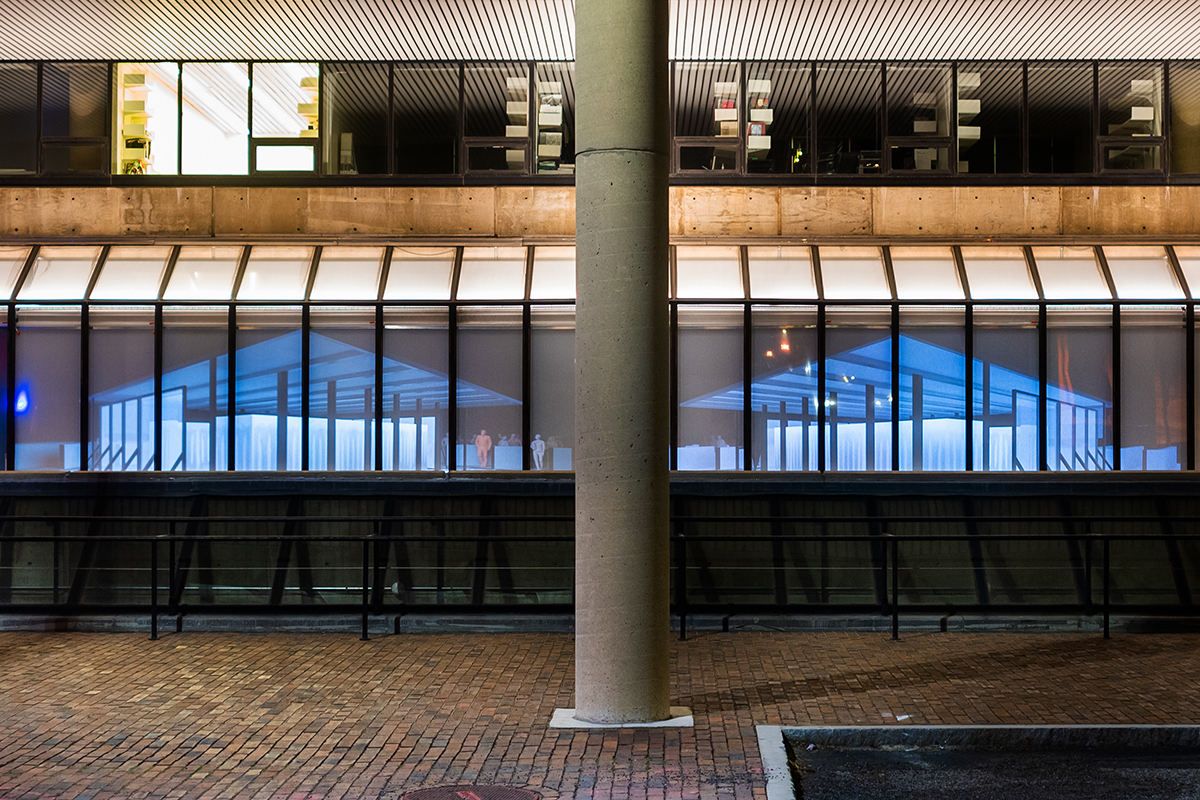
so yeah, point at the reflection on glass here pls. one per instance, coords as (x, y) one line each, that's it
(552, 390)
(858, 390)
(5, 395)
(1079, 389)
(276, 273)
(1005, 389)
(783, 389)
(60, 273)
(707, 158)
(492, 273)
(267, 401)
(848, 119)
(121, 386)
(853, 273)
(778, 99)
(1142, 273)
(147, 119)
(75, 99)
(920, 158)
(553, 273)
(933, 390)
(1189, 263)
(497, 99)
(919, 99)
(12, 261)
(495, 157)
(989, 118)
(710, 384)
(215, 128)
(555, 125)
(131, 273)
(1153, 388)
(341, 390)
(925, 273)
(713, 272)
(416, 389)
(1133, 157)
(1185, 117)
(285, 100)
(355, 105)
(706, 99)
(1131, 98)
(348, 273)
(1060, 118)
(998, 273)
(203, 273)
(489, 389)
(18, 109)
(1070, 273)
(420, 273)
(782, 272)
(195, 416)
(46, 395)
(426, 125)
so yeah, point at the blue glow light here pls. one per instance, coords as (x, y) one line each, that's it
(22, 404)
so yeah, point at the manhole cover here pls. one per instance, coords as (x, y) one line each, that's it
(471, 792)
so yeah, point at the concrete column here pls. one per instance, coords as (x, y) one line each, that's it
(622, 622)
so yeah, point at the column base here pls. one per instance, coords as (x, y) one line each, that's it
(681, 717)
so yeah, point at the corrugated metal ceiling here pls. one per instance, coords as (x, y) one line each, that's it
(544, 29)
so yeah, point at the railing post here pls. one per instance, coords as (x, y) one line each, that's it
(1087, 568)
(681, 585)
(895, 588)
(154, 590)
(366, 580)
(1106, 581)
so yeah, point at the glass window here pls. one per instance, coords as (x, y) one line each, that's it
(426, 125)
(492, 273)
(783, 389)
(710, 388)
(858, 389)
(1153, 388)
(1079, 389)
(285, 100)
(416, 389)
(131, 273)
(1070, 273)
(933, 390)
(215, 127)
(497, 99)
(1189, 263)
(782, 273)
(195, 416)
(12, 261)
(1185, 117)
(1142, 273)
(998, 273)
(489, 389)
(556, 118)
(276, 273)
(706, 99)
(284, 158)
(1006, 389)
(713, 272)
(147, 119)
(121, 386)
(989, 118)
(66, 157)
(708, 157)
(18, 109)
(918, 106)
(778, 99)
(60, 273)
(341, 390)
(75, 99)
(495, 157)
(1060, 118)
(5, 393)
(356, 114)
(46, 397)
(348, 273)
(420, 273)
(853, 273)
(849, 97)
(203, 273)
(925, 273)
(552, 390)
(553, 273)
(267, 424)
(1131, 106)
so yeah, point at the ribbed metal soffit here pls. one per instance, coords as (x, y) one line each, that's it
(545, 29)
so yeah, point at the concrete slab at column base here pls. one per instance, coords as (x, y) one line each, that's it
(681, 717)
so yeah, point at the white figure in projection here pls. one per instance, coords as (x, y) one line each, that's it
(538, 448)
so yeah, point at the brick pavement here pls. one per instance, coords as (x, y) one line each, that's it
(325, 716)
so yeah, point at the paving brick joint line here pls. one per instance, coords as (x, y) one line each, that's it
(325, 716)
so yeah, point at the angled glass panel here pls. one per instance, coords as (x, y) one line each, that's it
(121, 386)
(203, 273)
(60, 273)
(131, 273)
(1070, 273)
(285, 100)
(998, 273)
(782, 273)
(348, 273)
(492, 273)
(1153, 388)
(713, 272)
(553, 273)
(355, 106)
(1189, 264)
(215, 125)
(420, 273)
(925, 273)
(147, 119)
(858, 389)
(552, 390)
(46, 396)
(12, 261)
(1060, 117)
(18, 109)
(989, 118)
(1142, 273)
(853, 273)
(276, 273)
(784, 392)
(710, 388)
(1185, 117)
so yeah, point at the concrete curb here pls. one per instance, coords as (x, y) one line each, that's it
(773, 751)
(994, 737)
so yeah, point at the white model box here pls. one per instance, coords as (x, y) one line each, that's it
(725, 114)
(762, 115)
(925, 126)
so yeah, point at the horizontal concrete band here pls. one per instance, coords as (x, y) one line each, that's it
(548, 212)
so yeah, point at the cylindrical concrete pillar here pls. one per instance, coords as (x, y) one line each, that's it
(622, 389)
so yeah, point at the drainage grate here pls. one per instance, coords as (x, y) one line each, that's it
(471, 792)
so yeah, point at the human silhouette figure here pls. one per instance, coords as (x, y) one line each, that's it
(538, 448)
(483, 446)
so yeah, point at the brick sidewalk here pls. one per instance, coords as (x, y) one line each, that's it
(325, 716)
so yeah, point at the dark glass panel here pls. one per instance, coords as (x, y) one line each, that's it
(416, 389)
(552, 388)
(75, 100)
(710, 388)
(121, 386)
(989, 118)
(1060, 118)
(1079, 389)
(556, 118)
(849, 97)
(489, 388)
(426, 122)
(46, 397)
(496, 97)
(1185, 117)
(707, 99)
(356, 112)
(1153, 393)
(18, 109)
(779, 100)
